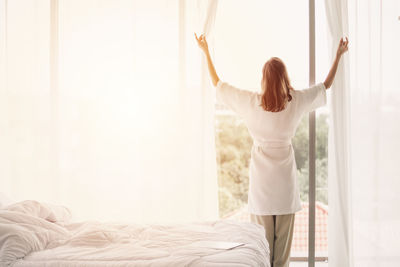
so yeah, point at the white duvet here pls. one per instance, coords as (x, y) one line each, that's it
(36, 234)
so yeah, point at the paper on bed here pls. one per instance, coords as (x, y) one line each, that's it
(216, 245)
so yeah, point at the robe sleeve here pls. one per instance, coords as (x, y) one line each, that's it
(236, 99)
(313, 97)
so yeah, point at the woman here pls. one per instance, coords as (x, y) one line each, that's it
(272, 117)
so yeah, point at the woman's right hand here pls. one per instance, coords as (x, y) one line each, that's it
(343, 47)
(202, 42)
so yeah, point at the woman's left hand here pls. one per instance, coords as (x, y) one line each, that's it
(202, 42)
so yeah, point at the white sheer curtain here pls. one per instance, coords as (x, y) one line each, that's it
(364, 171)
(102, 111)
(339, 231)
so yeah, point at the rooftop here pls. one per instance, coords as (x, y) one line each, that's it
(300, 238)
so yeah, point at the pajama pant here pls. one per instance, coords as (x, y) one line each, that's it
(279, 234)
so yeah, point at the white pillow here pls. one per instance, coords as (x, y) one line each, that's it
(49, 212)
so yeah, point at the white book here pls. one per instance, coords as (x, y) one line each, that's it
(216, 245)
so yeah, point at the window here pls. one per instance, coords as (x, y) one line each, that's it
(241, 51)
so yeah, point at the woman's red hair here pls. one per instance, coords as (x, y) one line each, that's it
(275, 85)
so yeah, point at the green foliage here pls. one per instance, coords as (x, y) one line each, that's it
(300, 143)
(321, 188)
(233, 147)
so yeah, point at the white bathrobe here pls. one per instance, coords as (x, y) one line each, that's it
(273, 188)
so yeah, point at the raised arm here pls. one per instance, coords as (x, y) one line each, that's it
(202, 42)
(343, 47)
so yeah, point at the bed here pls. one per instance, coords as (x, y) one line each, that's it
(38, 234)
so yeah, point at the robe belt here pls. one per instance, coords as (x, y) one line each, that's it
(271, 144)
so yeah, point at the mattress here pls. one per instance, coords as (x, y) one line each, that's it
(39, 237)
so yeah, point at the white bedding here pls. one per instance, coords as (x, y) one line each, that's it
(32, 234)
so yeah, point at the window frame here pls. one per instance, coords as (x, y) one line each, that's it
(311, 149)
(311, 133)
(312, 140)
